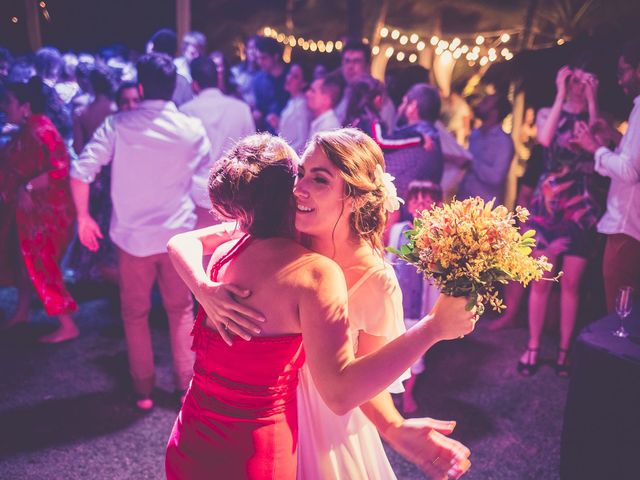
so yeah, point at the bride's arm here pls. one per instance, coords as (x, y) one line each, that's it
(422, 441)
(343, 381)
(186, 251)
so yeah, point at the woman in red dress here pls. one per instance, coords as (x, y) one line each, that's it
(36, 208)
(239, 417)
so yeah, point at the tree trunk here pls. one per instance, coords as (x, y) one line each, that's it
(183, 19)
(33, 24)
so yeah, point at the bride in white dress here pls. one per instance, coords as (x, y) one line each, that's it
(335, 166)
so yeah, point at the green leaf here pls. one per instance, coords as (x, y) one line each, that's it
(395, 251)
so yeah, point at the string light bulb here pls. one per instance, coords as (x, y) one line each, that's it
(505, 37)
(420, 46)
(413, 58)
(14, 20)
(389, 52)
(403, 40)
(484, 61)
(375, 50)
(479, 40)
(395, 34)
(384, 32)
(400, 56)
(414, 38)
(434, 40)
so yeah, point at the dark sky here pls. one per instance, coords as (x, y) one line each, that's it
(86, 25)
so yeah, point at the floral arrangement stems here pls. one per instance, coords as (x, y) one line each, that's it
(467, 248)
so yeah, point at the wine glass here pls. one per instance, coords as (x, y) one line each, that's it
(623, 309)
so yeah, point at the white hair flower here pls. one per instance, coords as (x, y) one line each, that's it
(384, 181)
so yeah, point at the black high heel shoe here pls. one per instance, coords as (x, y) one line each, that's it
(562, 368)
(529, 368)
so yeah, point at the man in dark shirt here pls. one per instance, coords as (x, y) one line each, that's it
(268, 85)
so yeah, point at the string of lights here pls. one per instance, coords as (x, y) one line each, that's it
(486, 46)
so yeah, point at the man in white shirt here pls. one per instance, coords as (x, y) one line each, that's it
(621, 221)
(226, 120)
(322, 97)
(154, 151)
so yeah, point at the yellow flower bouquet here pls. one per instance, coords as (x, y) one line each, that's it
(468, 248)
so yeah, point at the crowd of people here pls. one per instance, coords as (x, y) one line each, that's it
(104, 161)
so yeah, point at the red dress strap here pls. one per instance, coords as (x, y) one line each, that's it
(233, 252)
(230, 255)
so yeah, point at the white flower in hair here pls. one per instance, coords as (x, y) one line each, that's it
(384, 181)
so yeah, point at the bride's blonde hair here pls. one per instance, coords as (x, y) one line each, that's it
(356, 156)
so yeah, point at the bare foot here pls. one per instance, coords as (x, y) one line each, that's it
(409, 405)
(61, 334)
(144, 404)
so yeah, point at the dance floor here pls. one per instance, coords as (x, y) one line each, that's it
(66, 411)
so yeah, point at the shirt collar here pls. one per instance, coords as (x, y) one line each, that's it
(158, 105)
(322, 116)
(211, 92)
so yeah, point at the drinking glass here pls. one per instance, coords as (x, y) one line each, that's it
(623, 309)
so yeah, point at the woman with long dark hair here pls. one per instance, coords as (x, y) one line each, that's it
(36, 201)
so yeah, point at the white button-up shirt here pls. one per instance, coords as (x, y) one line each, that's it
(226, 120)
(294, 123)
(324, 122)
(155, 151)
(623, 167)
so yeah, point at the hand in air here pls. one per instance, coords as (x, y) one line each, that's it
(423, 442)
(561, 80)
(89, 233)
(450, 318)
(226, 314)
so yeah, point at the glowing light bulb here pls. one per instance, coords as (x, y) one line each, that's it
(403, 40)
(389, 52)
(395, 34)
(375, 50)
(414, 38)
(484, 61)
(413, 58)
(505, 37)
(479, 40)
(400, 56)
(420, 46)
(384, 32)
(434, 40)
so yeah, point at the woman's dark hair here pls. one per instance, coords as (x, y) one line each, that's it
(253, 184)
(583, 60)
(361, 105)
(43, 100)
(33, 92)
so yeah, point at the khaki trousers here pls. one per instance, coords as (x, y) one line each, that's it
(137, 277)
